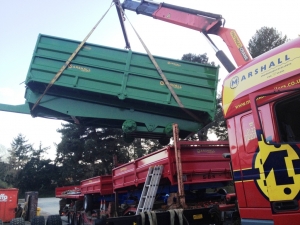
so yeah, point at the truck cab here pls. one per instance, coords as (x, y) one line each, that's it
(261, 106)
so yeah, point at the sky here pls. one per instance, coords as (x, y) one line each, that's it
(22, 21)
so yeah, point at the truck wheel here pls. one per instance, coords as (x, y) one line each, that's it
(88, 203)
(54, 220)
(38, 220)
(215, 215)
(17, 221)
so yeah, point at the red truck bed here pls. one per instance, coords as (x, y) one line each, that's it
(100, 185)
(202, 161)
(68, 192)
(95, 185)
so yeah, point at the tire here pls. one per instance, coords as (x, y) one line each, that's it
(54, 220)
(17, 221)
(88, 203)
(38, 220)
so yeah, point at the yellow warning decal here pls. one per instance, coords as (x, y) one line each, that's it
(279, 168)
(198, 217)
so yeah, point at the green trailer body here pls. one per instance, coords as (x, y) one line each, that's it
(97, 115)
(105, 86)
(122, 78)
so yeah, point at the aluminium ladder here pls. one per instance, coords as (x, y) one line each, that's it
(150, 188)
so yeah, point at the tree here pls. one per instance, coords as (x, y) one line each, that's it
(265, 39)
(37, 175)
(201, 58)
(218, 126)
(27, 169)
(3, 174)
(85, 152)
(141, 147)
(20, 151)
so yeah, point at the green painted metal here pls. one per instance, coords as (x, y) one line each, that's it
(23, 109)
(169, 130)
(129, 126)
(93, 114)
(108, 87)
(123, 79)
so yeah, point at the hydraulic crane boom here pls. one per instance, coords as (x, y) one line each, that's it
(206, 23)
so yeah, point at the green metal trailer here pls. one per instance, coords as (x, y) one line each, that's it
(109, 87)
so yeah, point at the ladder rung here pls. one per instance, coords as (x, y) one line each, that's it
(150, 189)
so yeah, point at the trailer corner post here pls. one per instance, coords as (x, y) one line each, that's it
(181, 195)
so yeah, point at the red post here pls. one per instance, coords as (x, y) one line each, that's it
(178, 167)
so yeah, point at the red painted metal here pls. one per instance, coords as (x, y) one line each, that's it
(178, 167)
(99, 185)
(184, 19)
(68, 192)
(253, 213)
(291, 218)
(208, 26)
(227, 207)
(241, 102)
(202, 162)
(8, 204)
(235, 45)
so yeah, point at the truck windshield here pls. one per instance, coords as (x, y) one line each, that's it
(288, 119)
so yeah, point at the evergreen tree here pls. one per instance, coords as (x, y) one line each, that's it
(265, 39)
(218, 126)
(38, 173)
(85, 152)
(4, 169)
(201, 58)
(20, 152)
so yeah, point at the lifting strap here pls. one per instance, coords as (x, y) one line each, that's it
(172, 216)
(179, 213)
(143, 217)
(152, 217)
(161, 72)
(69, 60)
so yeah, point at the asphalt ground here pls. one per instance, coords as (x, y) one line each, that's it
(48, 206)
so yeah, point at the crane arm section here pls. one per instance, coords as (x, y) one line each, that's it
(207, 23)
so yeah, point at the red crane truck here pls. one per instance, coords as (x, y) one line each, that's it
(261, 106)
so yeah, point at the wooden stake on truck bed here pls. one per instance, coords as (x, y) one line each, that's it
(178, 167)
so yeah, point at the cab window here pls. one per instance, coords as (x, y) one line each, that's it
(288, 119)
